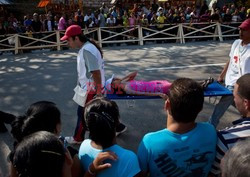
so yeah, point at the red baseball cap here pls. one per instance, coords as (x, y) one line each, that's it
(245, 25)
(73, 30)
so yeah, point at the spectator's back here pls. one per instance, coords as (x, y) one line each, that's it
(184, 148)
(168, 153)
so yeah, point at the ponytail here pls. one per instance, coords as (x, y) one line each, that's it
(84, 39)
(41, 116)
(102, 117)
(92, 41)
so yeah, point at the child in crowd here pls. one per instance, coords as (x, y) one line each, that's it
(102, 116)
(42, 116)
(43, 154)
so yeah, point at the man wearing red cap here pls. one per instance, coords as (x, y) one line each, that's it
(90, 69)
(237, 66)
(91, 80)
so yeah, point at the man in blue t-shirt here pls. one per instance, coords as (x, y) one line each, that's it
(183, 148)
(27, 21)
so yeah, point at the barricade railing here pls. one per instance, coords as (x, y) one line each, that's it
(180, 33)
(230, 29)
(162, 32)
(118, 34)
(201, 30)
(7, 42)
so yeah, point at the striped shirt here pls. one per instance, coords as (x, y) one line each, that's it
(227, 139)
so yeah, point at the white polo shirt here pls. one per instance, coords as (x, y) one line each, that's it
(239, 63)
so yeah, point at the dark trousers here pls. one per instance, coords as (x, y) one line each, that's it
(80, 129)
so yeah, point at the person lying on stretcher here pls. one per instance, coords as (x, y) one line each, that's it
(128, 85)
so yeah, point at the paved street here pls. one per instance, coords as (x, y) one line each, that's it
(44, 75)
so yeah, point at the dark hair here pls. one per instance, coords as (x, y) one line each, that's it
(186, 100)
(236, 161)
(83, 38)
(102, 116)
(38, 155)
(244, 86)
(40, 116)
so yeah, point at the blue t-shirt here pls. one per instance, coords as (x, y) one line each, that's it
(27, 22)
(127, 164)
(165, 153)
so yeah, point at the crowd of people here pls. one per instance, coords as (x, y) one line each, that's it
(154, 15)
(183, 148)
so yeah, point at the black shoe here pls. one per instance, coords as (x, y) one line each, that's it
(120, 129)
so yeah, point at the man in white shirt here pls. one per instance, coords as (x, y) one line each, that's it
(240, 129)
(90, 69)
(91, 80)
(111, 21)
(237, 66)
(49, 23)
(86, 18)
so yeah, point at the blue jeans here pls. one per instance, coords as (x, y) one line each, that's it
(221, 107)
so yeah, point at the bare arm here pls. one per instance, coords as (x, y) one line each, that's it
(97, 165)
(13, 172)
(129, 77)
(132, 92)
(97, 81)
(76, 169)
(223, 73)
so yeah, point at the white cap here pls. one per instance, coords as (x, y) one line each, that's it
(160, 8)
(108, 83)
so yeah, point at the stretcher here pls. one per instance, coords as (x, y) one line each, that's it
(214, 89)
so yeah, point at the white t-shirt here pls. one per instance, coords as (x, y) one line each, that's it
(86, 18)
(239, 63)
(85, 65)
(111, 21)
(235, 18)
(91, 25)
(49, 25)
